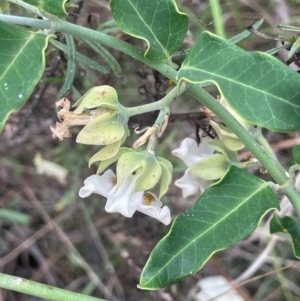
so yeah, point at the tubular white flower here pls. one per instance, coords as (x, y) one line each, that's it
(190, 153)
(124, 200)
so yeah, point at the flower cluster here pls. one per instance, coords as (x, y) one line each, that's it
(105, 124)
(125, 200)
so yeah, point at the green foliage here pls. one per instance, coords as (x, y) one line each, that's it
(159, 23)
(295, 47)
(21, 67)
(296, 153)
(226, 213)
(254, 85)
(257, 86)
(71, 68)
(56, 8)
(288, 225)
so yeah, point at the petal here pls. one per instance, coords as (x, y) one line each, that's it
(189, 184)
(161, 214)
(102, 185)
(121, 200)
(190, 153)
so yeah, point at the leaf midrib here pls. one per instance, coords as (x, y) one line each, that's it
(238, 83)
(164, 49)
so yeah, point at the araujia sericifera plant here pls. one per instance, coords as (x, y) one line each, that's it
(257, 91)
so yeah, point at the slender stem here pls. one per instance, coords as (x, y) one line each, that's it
(264, 143)
(153, 138)
(216, 11)
(41, 290)
(164, 103)
(275, 169)
(43, 24)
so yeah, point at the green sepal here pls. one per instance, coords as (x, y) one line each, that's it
(101, 96)
(166, 175)
(212, 167)
(288, 225)
(108, 151)
(4, 5)
(219, 146)
(230, 140)
(104, 164)
(296, 153)
(103, 130)
(150, 174)
(143, 164)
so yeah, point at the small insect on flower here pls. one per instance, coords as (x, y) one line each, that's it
(149, 198)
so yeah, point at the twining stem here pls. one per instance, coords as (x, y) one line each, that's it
(277, 172)
(41, 290)
(264, 143)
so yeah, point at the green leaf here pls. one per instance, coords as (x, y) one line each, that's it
(21, 66)
(296, 153)
(257, 86)
(71, 67)
(80, 58)
(54, 7)
(226, 213)
(15, 216)
(289, 225)
(294, 48)
(157, 22)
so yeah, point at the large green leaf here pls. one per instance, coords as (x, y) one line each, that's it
(256, 85)
(158, 22)
(226, 213)
(54, 7)
(21, 66)
(288, 225)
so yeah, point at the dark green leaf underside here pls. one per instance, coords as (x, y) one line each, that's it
(226, 213)
(54, 7)
(158, 22)
(257, 86)
(21, 66)
(288, 225)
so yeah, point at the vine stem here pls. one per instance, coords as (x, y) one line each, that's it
(280, 176)
(41, 290)
(163, 103)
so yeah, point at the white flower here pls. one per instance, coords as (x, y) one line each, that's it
(190, 153)
(124, 200)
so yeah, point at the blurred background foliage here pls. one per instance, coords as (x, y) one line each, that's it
(49, 234)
